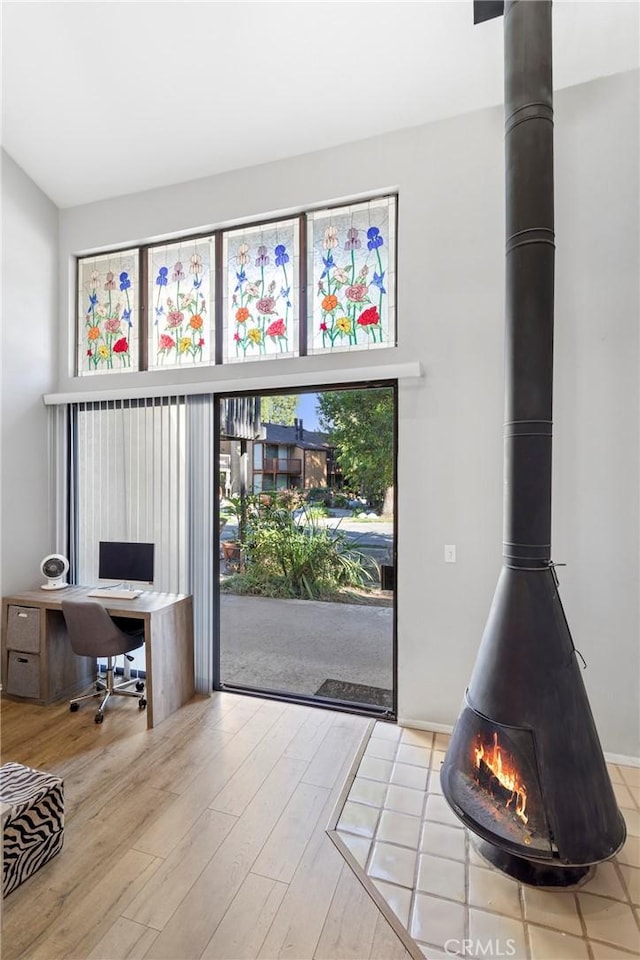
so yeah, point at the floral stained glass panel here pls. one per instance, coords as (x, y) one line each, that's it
(352, 277)
(108, 313)
(181, 305)
(261, 292)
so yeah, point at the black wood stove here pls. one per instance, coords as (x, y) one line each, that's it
(524, 769)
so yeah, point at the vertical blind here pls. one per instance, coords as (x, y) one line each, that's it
(60, 478)
(202, 488)
(130, 484)
(143, 470)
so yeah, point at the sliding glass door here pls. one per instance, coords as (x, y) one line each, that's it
(307, 549)
(274, 511)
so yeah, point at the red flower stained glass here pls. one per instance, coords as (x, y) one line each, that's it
(369, 318)
(352, 270)
(276, 329)
(107, 313)
(181, 296)
(260, 298)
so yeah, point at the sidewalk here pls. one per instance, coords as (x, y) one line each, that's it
(295, 646)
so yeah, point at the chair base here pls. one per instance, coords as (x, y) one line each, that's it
(110, 689)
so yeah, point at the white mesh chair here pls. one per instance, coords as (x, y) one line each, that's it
(93, 633)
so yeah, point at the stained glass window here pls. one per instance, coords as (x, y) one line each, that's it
(261, 266)
(346, 263)
(108, 313)
(351, 269)
(181, 306)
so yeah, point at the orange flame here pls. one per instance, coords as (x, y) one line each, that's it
(506, 774)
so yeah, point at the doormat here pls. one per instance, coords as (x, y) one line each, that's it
(356, 693)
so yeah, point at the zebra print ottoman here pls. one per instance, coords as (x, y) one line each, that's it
(32, 804)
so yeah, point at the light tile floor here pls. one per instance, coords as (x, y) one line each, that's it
(414, 856)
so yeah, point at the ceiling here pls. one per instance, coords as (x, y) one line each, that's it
(108, 98)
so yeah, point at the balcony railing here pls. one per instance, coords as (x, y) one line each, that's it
(291, 467)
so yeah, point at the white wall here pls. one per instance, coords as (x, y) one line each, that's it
(596, 451)
(450, 178)
(30, 334)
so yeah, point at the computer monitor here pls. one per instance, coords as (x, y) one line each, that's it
(126, 562)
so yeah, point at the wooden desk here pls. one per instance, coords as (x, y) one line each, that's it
(32, 623)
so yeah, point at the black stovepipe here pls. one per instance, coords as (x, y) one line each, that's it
(530, 251)
(526, 675)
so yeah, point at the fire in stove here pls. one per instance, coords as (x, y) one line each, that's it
(490, 776)
(497, 773)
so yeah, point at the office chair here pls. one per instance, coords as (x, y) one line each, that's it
(93, 633)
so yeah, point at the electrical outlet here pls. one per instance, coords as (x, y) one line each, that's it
(449, 553)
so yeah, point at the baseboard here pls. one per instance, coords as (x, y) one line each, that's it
(425, 725)
(622, 759)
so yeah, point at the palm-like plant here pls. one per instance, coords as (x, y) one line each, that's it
(297, 557)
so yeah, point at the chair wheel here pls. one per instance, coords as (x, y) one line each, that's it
(99, 717)
(140, 686)
(73, 707)
(142, 703)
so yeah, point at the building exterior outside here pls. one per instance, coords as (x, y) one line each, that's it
(292, 458)
(285, 458)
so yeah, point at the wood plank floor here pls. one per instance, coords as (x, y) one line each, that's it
(204, 837)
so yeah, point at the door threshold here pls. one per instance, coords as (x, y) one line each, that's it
(326, 703)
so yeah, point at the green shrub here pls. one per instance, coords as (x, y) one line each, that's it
(285, 557)
(315, 512)
(320, 495)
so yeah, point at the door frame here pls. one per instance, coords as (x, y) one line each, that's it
(309, 700)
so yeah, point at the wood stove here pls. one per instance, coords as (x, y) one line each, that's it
(524, 769)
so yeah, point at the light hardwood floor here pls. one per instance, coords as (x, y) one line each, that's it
(204, 837)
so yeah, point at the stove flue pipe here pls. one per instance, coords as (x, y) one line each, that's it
(530, 252)
(526, 680)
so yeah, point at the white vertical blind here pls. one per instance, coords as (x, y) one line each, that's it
(130, 484)
(59, 477)
(203, 485)
(143, 470)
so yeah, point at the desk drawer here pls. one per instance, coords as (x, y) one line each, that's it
(23, 674)
(23, 629)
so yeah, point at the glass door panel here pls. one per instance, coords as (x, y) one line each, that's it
(307, 550)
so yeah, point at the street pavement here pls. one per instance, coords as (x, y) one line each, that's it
(296, 645)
